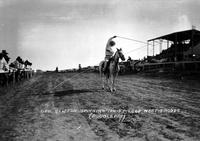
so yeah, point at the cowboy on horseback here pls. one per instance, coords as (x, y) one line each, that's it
(110, 63)
(109, 52)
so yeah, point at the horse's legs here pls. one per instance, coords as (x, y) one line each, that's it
(111, 82)
(103, 82)
(114, 79)
(107, 82)
(114, 83)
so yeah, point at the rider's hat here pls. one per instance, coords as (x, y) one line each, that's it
(112, 43)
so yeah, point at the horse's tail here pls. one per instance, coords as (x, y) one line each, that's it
(101, 67)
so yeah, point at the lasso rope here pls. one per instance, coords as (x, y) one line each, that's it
(139, 41)
(69, 79)
(134, 40)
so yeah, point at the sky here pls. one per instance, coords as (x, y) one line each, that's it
(65, 33)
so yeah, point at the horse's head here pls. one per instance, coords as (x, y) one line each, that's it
(120, 54)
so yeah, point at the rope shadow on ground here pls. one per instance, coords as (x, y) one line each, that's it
(72, 92)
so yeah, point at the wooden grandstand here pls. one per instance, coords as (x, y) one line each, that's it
(176, 52)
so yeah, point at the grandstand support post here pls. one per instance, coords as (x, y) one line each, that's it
(167, 44)
(153, 47)
(147, 48)
(175, 50)
(192, 43)
(160, 45)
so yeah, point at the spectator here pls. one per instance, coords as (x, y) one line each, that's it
(5, 55)
(129, 59)
(3, 63)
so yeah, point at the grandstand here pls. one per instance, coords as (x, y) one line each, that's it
(175, 52)
(181, 46)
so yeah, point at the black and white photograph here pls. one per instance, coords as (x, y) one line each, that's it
(99, 70)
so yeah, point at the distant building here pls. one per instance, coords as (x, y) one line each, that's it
(39, 71)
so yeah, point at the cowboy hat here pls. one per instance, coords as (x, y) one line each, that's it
(4, 52)
(112, 43)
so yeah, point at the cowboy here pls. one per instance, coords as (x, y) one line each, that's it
(5, 55)
(27, 65)
(17, 62)
(129, 59)
(109, 52)
(3, 63)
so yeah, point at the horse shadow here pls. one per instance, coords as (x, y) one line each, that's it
(71, 92)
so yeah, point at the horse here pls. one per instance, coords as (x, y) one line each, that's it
(112, 70)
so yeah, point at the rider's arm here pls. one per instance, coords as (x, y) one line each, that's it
(108, 43)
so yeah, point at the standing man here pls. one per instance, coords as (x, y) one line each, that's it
(109, 52)
(4, 59)
(3, 63)
(5, 55)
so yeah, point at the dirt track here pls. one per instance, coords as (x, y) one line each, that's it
(34, 110)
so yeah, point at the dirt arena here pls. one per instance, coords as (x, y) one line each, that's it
(142, 109)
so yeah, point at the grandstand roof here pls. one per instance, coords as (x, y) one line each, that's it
(179, 36)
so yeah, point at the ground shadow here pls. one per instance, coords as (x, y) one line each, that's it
(72, 92)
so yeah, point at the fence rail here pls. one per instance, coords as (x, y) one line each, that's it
(193, 66)
(14, 76)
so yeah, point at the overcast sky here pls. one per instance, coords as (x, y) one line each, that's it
(66, 33)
